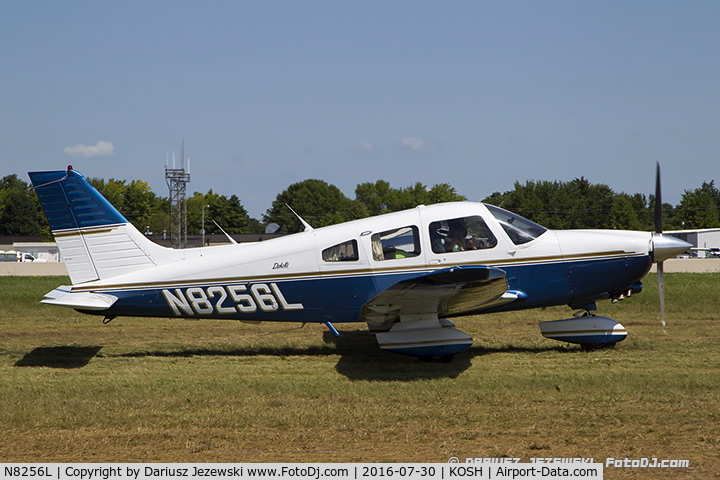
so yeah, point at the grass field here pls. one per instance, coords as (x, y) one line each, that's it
(146, 390)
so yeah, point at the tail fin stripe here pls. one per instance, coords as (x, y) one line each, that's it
(35, 187)
(72, 203)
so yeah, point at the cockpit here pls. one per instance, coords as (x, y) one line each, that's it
(473, 232)
(519, 229)
(460, 235)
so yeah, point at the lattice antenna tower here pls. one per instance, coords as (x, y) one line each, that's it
(177, 179)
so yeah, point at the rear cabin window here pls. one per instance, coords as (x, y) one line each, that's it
(344, 252)
(460, 235)
(401, 242)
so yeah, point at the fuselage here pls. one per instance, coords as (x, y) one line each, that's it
(328, 274)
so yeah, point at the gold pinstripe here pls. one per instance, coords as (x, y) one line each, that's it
(583, 332)
(356, 272)
(85, 231)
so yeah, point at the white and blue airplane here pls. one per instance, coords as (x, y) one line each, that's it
(405, 274)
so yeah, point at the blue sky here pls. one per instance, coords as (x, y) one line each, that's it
(265, 94)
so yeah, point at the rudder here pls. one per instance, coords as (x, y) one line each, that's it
(94, 239)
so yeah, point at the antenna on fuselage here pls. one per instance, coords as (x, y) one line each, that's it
(232, 240)
(305, 224)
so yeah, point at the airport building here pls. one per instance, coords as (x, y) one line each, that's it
(705, 242)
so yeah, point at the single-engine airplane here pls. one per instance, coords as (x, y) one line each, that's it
(405, 274)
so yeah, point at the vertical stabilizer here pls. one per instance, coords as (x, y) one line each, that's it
(94, 239)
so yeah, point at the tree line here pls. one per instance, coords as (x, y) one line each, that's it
(581, 204)
(553, 204)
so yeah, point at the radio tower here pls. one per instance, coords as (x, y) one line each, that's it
(177, 179)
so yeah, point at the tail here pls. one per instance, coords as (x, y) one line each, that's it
(96, 242)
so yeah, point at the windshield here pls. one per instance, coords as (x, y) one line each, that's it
(519, 229)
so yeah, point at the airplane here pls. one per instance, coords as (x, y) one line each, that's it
(406, 274)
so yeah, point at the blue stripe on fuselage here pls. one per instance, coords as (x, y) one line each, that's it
(340, 299)
(562, 283)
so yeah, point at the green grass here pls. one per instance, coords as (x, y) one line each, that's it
(73, 389)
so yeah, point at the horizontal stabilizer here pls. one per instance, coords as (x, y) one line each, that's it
(80, 300)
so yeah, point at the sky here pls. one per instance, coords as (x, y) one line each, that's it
(476, 94)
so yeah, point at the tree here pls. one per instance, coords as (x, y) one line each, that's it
(443, 193)
(641, 207)
(712, 192)
(136, 202)
(554, 204)
(139, 202)
(538, 201)
(669, 216)
(113, 191)
(20, 211)
(235, 216)
(698, 208)
(623, 215)
(568, 205)
(419, 194)
(227, 212)
(377, 197)
(317, 202)
(380, 198)
(594, 204)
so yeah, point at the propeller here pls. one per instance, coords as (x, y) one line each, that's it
(664, 246)
(658, 231)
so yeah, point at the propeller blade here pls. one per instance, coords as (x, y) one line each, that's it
(658, 230)
(658, 202)
(657, 242)
(661, 293)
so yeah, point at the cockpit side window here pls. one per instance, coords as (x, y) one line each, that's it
(461, 234)
(343, 252)
(403, 242)
(519, 229)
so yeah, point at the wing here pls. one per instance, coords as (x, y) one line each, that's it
(413, 313)
(443, 293)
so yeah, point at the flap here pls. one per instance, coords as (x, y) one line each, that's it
(443, 293)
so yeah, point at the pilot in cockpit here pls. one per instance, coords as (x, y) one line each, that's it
(455, 241)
